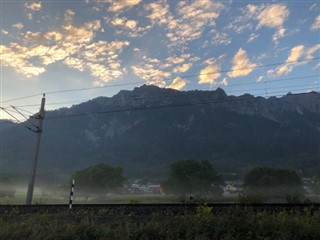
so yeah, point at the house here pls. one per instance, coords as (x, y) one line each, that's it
(231, 188)
(155, 189)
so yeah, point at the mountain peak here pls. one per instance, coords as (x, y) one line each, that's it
(220, 92)
(150, 89)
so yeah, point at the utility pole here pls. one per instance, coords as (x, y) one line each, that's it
(34, 168)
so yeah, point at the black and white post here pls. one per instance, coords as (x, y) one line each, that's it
(71, 194)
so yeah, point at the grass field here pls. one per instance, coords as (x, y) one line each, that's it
(45, 197)
(203, 224)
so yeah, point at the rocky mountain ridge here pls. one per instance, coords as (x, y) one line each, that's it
(145, 129)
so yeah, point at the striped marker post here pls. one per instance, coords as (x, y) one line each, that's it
(71, 195)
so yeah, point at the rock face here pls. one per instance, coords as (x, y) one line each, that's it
(145, 129)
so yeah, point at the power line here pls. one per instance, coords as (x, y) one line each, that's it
(165, 79)
(159, 95)
(18, 120)
(54, 103)
(187, 76)
(156, 107)
(29, 112)
(28, 119)
(250, 67)
(15, 99)
(165, 93)
(229, 92)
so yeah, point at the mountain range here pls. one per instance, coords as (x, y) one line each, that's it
(146, 129)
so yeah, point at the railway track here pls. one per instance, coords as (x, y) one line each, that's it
(162, 209)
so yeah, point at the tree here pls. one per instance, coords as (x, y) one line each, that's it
(7, 189)
(99, 179)
(273, 182)
(192, 177)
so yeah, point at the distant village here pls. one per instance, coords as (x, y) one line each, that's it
(230, 188)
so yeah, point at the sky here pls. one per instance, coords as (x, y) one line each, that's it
(265, 48)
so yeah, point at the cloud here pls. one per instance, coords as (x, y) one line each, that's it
(119, 5)
(241, 65)
(211, 72)
(278, 34)
(252, 37)
(75, 63)
(224, 82)
(73, 38)
(183, 68)
(18, 26)
(244, 21)
(71, 45)
(17, 60)
(151, 75)
(178, 83)
(220, 38)
(114, 6)
(155, 71)
(4, 32)
(150, 60)
(68, 16)
(34, 6)
(159, 13)
(123, 22)
(316, 25)
(53, 36)
(297, 53)
(176, 60)
(129, 27)
(313, 7)
(190, 21)
(312, 50)
(239, 28)
(273, 16)
(260, 78)
(30, 16)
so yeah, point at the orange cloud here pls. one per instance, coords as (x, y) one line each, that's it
(211, 73)
(34, 6)
(241, 65)
(178, 83)
(273, 16)
(183, 68)
(296, 53)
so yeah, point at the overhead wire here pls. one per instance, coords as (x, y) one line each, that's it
(179, 104)
(229, 92)
(165, 93)
(165, 79)
(223, 100)
(159, 95)
(20, 98)
(188, 76)
(18, 120)
(28, 119)
(271, 92)
(29, 112)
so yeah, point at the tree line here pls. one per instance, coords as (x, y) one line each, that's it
(197, 178)
(188, 178)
